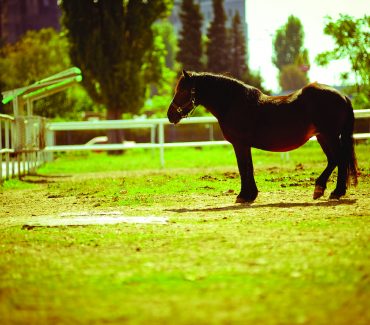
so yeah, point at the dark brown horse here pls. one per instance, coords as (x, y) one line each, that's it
(248, 118)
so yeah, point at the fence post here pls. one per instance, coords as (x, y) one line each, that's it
(211, 135)
(50, 141)
(152, 137)
(1, 154)
(19, 156)
(7, 146)
(12, 145)
(161, 142)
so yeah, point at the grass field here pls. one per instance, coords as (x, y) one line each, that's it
(284, 259)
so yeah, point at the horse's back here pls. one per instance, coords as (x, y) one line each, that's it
(322, 92)
(287, 122)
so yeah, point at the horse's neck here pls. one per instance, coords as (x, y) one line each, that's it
(210, 94)
(218, 96)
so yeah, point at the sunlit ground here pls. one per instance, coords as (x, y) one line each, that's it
(285, 259)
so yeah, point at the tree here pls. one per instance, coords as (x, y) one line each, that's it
(288, 48)
(37, 55)
(1, 98)
(159, 95)
(218, 47)
(292, 77)
(166, 30)
(351, 38)
(238, 55)
(190, 42)
(110, 41)
(288, 42)
(2, 83)
(238, 64)
(254, 79)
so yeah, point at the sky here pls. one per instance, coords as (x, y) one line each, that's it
(264, 17)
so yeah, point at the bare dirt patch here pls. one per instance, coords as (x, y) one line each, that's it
(275, 261)
(29, 203)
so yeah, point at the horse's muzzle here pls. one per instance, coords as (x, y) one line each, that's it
(173, 116)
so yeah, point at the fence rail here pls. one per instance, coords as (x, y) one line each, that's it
(21, 144)
(21, 150)
(156, 127)
(6, 131)
(26, 142)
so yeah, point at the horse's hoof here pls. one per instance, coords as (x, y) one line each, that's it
(318, 192)
(335, 196)
(243, 201)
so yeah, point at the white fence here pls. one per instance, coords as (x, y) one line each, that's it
(21, 150)
(6, 131)
(21, 144)
(156, 127)
(25, 142)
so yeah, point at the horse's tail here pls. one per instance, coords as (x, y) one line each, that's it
(348, 146)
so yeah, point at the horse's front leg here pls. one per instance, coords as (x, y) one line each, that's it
(249, 191)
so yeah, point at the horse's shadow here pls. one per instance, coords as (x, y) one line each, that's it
(36, 178)
(268, 205)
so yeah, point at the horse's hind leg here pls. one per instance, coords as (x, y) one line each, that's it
(341, 187)
(331, 148)
(248, 192)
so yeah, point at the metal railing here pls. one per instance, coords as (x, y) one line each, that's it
(22, 141)
(21, 150)
(6, 146)
(157, 131)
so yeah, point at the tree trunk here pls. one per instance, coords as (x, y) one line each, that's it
(115, 136)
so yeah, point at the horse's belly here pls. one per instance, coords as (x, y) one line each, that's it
(282, 139)
(279, 146)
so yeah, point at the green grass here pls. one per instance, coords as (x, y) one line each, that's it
(206, 157)
(152, 183)
(283, 260)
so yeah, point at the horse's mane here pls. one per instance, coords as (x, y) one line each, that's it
(224, 82)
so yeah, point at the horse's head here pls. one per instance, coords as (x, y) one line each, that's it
(183, 103)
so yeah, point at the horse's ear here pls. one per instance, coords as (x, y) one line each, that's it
(185, 74)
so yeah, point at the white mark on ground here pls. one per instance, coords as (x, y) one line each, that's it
(95, 218)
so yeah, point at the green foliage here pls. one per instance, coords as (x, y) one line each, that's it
(288, 51)
(67, 105)
(292, 77)
(303, 60)
(39, 54)
(288, 42)
(218, 55)
(1, 98)
(157, 105)
(169, 37)
(351, 37)
(238, 64)
(255, 79)
(111, 42)
(162, 77)
(154, 63)
(190, 41)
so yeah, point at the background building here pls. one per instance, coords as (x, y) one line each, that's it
(19, 16)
